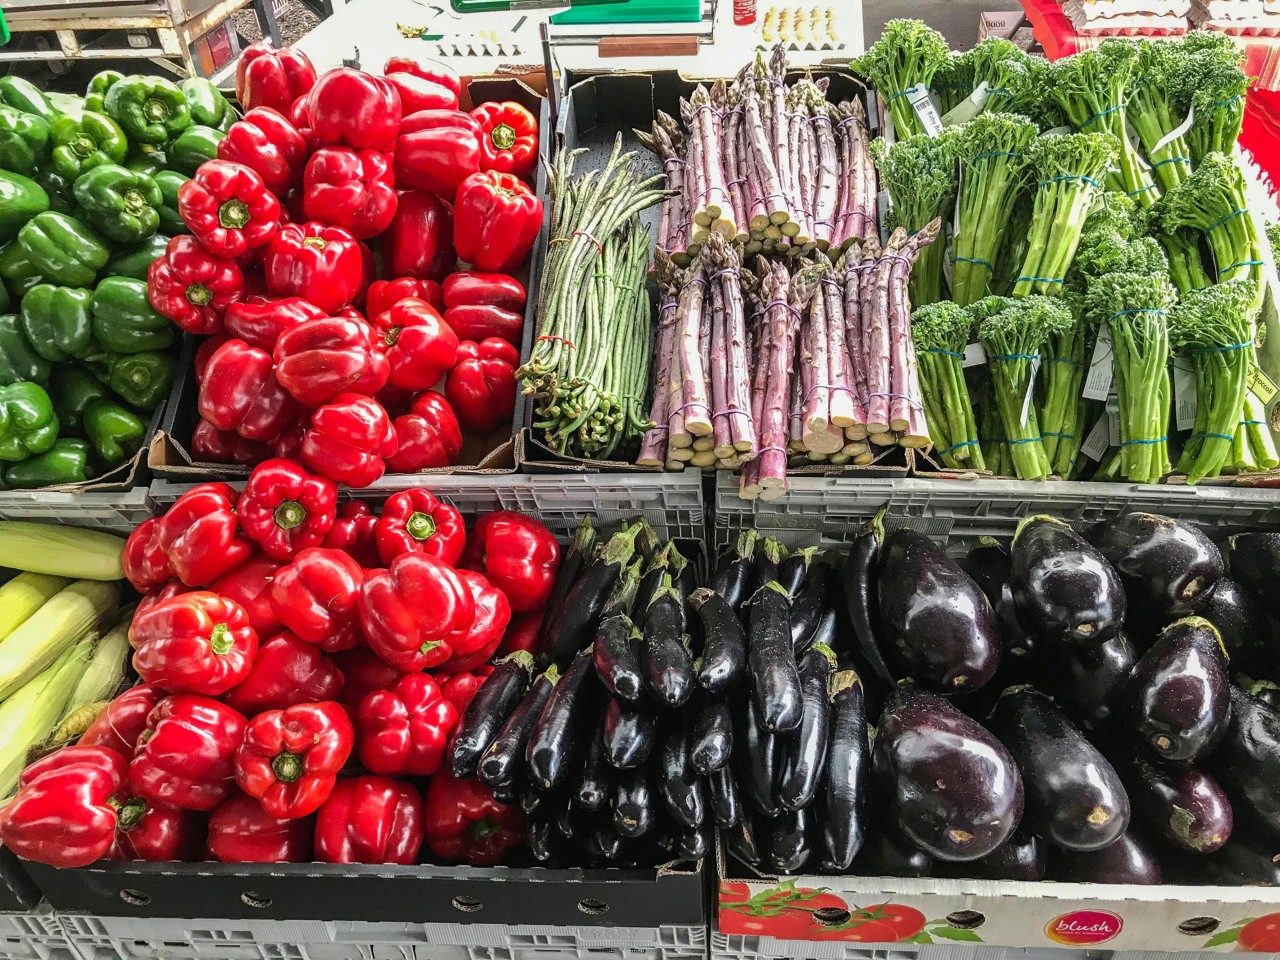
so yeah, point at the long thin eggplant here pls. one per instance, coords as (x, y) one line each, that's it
(809, 605)
(858, 579)
(617, 658)
(793, 572)
(605, 841)
(588, 595)
(733, 573)
(1247, 761)
(503, 762)
(1253, 559)
(1178, 692)
(743, 841)
(628, 734)
(684, 576)
(497, 697)
(593, 786)
(633, 803)
(844, 800)
(724, 653)
(825, 633)
(695, 843)
(559, 737)
(648, 543)
(1168, 567)
(804, 750)
(1063, 587)
(788, 845)
(722, 798)
(677, 780)
(755, 758)
(544, 838)
(764, 565)
(775, 682)
(654, 571)
(572, 564)
(667, 663)
(711, 742)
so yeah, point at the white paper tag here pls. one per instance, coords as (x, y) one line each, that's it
(1056, 132)
(1135, 145)
(1260, 385)
(1184, 393)
(1031, 391)
(1095, 444)
(975, 355)
(1113, 422)
(948, 264)
(1098, 382)
(919, 98)
(1175, 134)
(969, 107)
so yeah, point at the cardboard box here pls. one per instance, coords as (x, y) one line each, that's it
(1003, 23)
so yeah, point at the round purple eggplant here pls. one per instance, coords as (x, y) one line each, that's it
(1091, 683)
(988, 563)
(1024, 856)
(885, 854)
(953, 789)
(1075, 799)
(1247, 762)
(1167, 567)
(1251, 858)
(1253, 559)
(1185, 804)
(935, 617)
(1129, 860)
(1242, 622)
(1063, 587)
(1179, 692)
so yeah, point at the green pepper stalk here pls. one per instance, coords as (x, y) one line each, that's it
(941, 332)
(901, 63)
(1152, 112)
(1001, 65)
(1069, 171)
(1063, 410)
(993, 163)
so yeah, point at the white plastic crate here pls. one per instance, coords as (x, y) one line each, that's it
(118, 512)
(735, 947)
(34, 936)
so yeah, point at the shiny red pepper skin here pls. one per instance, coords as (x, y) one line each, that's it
(259, 321)
(365, 672)
(240, 831)
(423, 84)
(267, 143)
(239, 392)
(414, 521)
(122, 720)
(290, 758)
(404, 730)
(317, 360)
(201, 534)
(477, 321)
(146, 565)
(482, 385)
(250, 586)
(317, 597)
(436, 150)
(466, 824)
(352, 189)
(300, 117)
(429, 436)
(522, 633)
(508, 138)
(152, 599)
(496, 220)
(474, 646)
(370, 820)
(418, 344)
(211, 445)
(146, 831)
(354, 108)
(322, 264)
(348, 440)
(419, 241)
(285, 672)
(186, 754)
(192, 287)
(267, 77)
(353, 532)
(519, 554)
(385, 294)
(285, 509)
(410, 611)
(469, 288)
(288, 446)
(197, 642)
(460, 689)
(208, 347)
(228, 208)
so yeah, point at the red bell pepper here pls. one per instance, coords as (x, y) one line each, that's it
(267, 77)
(370, 820)
(395, 401)
(146, 831)
(250, 586)
(437, 150)
(365, 672)
(522, 633)
(146, 565)
(419, 241)
(414, 521)
(211, 445)
(496, 220)
(348, 439)
(466, 824)
(353, 532)
(240, 831)
(228, 208)
(410, 612)
(350, 312)
(201, 535)
(419, 345)
(285, 509)
(508, 138)
(286, 671)
(478, 321)
(122, 720)
(352, 189)
(192, 287)
(186, 755)
(290, 758)
(149, 601)
(63, 813)
(429, 436)
(385, 294)
(317, 360)
(204, 353)
(300, 117)
(460, 689)
(354, 108)
(423, 84)
(482, 386)
(198, 642)
(468, 288)
(403, 731)
(288, 446)
(259, 321)
(474, 646)
(520, 556)
(268, 144)
(317, 596)
(239, 392)
(322, 264)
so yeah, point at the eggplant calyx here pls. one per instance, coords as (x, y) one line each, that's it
(746, 544)
(875, 526)
(842, 681)
(826, 651)
(1041, 517)
(700, 596)
(1200, 623)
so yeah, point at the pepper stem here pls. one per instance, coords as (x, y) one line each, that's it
(287, 766)
(421, 526)
(128, 814)
(233, 214)
(318, 242)
(82, 146)
(221, 640)
(134, 201)
(428, 647)
(391, 336)
(503, 136)
(155, 110)
(483, 829)
(198, 294)
(290, 514)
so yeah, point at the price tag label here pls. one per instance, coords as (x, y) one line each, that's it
(1260, 385)
(1113, 422)
(1056, 132)
(920, 100)
(1031, 391)
(1097, 384)
(975, 355)
(1173, 135)
(1096, 443)
(1184, 393)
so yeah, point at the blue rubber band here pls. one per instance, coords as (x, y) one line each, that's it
(1089, 180)
(995, 153)
(1129, 313)
(1134, 193)
(1250, 423)
(1144, 442)
(1099, 116)
(1211, 436)
(1040, 280)
(1063, 436)
(982, 263)
(942, 353)
(1017, 356)
(957, 446)
(1026, 440)
(1224, 103)
(1161, 163)
(1233, 346)
(904, 93)
(1242, 263)
(1228, 217)
(1003, 91)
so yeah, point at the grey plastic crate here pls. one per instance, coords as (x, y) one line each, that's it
(118, 512)
(34, 936)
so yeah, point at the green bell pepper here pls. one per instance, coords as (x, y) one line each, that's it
(123, 319)
(24, 141)
(73, 388)
(5, 302)
(95, 95)
(80, 145)
(144, 158)
(18, 358)
(122, 204)
(26, 96)
(116, 432)
(59, 321)
(208, 105)
(171, 221)
(227, 121)
(150, 109)
(135, 260)
(63, 250)
(66, 462)
(193, 146)
(28, 425)
(21, 198)
(19, 273)
(60, 191)
(66, 104)
(142, 380)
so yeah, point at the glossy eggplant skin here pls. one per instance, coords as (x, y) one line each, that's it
(733, 572)
(1186, 805)
(1075, 799)
(1179, 692)
(627, 734)
(862, 603)
(845, 793)
(1248, 859)
(724, 654)
(775, 680)
(1242, 622)
(1129, 860)
(935, 617)
(755, 757)
(1024, 856)
(1253, 560)
(953, 788)
(1265, 690)
(1167, 567)
(788, 844)
(1247, 762)
(1063, 587)
(722, 798)
(990, 565)
(1091, 683)
(804, 750)
(885, 854)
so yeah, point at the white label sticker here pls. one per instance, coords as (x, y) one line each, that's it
(969, 107)
(1031, 391)
(1095, 444)
(1113, 421)
(1098, 382)
(948, 263)
(1260, 385)
(975, 355)
(918, 97)
(1184, 393)
(1056, 132)
(1175, 134)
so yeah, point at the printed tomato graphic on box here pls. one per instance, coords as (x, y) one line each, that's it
(1250, 935)
(1081, 928)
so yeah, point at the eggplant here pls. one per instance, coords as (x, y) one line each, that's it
(991, 567)
(593, 787)
(677, 780)
(633, 803)
(1247, 762)
(1063, 587)
(1075, 798)
(544, 838)
(566, 819)
(667, 664)
(1242, 622)
(1248, 859)
(1091, 683)
(775, 681)
(588, 595)
(722, 798)
(764, 565)
(694, 844)
(654, 571)
(628, 734)
(617, 658)
(648, 543)
(1186, 805)
(683, 575)
(804, 750)
(559, 736)
(623, 595)
(732, 578)
(885, 854)
(953, 789)
(787, 849)
(605, 842)
(844, 797)
(1167, 567)
(1179, 692)
(858, 580)
(712, 740)
(742, 842)
(936, 618)
(724, 653)
(1024, 856)
(497, 697)
(793, 572)
(1253, 560)
(503, 761)
(806, 612)
(1128, 861)
(574, 561)
(755, 758)
(1265, 690)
